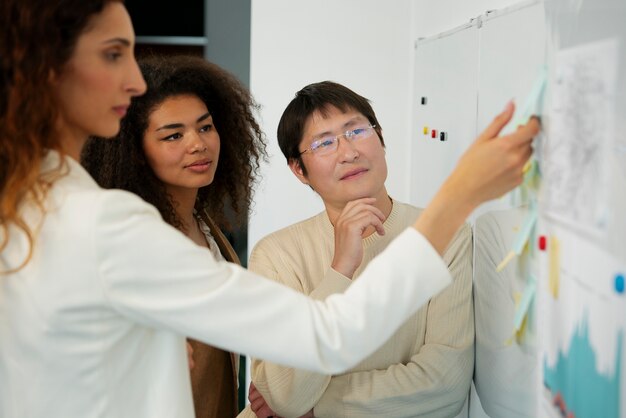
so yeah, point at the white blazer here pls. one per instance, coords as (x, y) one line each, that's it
(95, 324)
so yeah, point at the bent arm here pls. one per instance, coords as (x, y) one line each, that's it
(154, 275)
(436, 380)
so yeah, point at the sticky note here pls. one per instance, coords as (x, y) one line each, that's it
(524, 303)
(534, 100)
(554, 266)
(521, 239)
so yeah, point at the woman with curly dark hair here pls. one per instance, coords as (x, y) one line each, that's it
(189, 146)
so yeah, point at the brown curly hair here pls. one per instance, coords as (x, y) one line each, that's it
(121, 162)
(38, 38)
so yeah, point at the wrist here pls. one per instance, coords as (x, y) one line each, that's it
(454, 201)
(443, 216)
(343, 270)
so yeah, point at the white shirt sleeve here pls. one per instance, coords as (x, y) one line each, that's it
(154, 275)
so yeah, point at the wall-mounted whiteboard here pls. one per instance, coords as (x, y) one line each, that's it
(446, 75)
(583, 213)
(571, 361)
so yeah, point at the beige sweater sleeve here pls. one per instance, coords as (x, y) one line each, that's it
(436, 380)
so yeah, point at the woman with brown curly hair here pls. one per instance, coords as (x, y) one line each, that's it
(189, 146)
(97, 293)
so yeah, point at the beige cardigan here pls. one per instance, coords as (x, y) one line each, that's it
(425, 369)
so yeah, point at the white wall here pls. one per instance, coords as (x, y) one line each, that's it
(364, 44)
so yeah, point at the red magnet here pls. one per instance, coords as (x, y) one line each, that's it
(434, 133)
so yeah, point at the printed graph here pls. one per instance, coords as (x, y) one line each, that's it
(577, 387)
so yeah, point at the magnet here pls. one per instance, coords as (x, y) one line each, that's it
(434, 133)
(424, 100)
(443, 136)
(619, 283)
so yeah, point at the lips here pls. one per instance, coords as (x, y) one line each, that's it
(199, 163)
(353, 173)
(121, 110)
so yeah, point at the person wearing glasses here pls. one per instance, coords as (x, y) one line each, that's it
(333, 143)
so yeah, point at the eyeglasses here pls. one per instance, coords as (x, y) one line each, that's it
(329, 144)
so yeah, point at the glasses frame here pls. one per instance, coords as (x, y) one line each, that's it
(335, 139)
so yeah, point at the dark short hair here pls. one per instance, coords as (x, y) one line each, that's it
(318, 97)
(121, 162)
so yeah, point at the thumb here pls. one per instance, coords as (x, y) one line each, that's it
(499, 122)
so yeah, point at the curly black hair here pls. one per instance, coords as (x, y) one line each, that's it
(121, 162)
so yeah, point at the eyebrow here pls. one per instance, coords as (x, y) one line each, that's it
(122, 41)
(181, 125)
(348, 124)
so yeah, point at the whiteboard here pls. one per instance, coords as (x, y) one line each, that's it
(581, 42)
(450, 107)
(584, 155)
(510, 62)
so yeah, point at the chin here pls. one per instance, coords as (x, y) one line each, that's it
(109, 131)
(204, 183)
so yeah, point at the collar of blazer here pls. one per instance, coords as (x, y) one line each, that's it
(226, 249)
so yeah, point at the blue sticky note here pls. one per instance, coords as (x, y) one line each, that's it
(534, 100)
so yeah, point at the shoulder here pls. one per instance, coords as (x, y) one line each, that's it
(460, 244)
(76, 190)
(403, 214)
(406, 209)
(305, 230)
(295, 242)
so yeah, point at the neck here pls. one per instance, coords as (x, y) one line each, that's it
(72, 147)
(184, 202)
(71, 142)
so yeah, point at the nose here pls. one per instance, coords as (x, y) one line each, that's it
(196, 143)
(347, 150)
(136, 85)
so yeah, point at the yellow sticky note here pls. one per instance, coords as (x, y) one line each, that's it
(554, 266)
(521, 332)
(510, 256)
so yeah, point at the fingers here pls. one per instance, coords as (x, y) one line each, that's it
(525, 133)
(499, 122)
(253, 393)
(358, 213)
(354, 222)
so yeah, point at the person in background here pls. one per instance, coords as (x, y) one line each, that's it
(189, 146)
(98, 293)
(333, 142)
